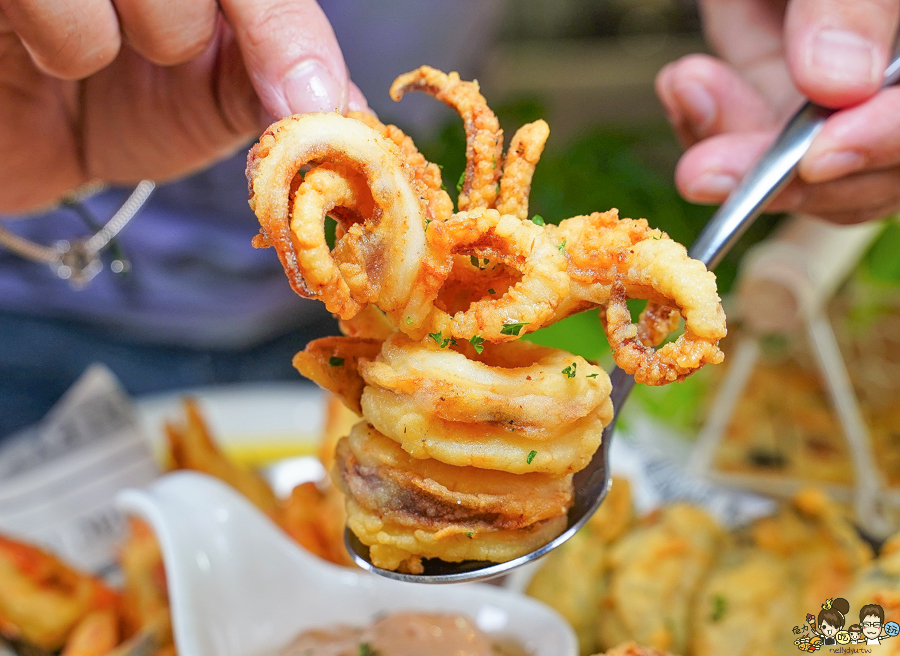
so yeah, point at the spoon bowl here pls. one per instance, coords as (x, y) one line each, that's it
(239, 586)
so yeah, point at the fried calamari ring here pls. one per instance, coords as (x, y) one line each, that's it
(521, 245)
(484, 138)
(559, 450)
(673, 362)
(393, 241)
(369, 322)
(603, 250)
(344, 288)
(522, 408)
(437, 199)
(397, 547)
(657, 322)
(518, 169)
(516, 385)
(376, 473)
(332, 363)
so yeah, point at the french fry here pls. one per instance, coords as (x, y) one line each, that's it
(192, 447)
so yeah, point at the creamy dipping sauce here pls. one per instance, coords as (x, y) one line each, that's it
(403, 634)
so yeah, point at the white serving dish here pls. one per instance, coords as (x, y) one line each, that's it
(239, 586)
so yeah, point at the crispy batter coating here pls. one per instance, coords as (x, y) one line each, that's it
(390, 252)
(523, 408)
(379, 476)
(746, 607)
(332, 363)
(518, 168)
(656, 573)
(484, 138)
(342, 287)
(425, 173)
(394, 546)
(521, 245)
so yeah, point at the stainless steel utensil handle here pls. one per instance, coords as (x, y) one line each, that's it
(769, 176)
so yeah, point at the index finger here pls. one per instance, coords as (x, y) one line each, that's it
(291, 54)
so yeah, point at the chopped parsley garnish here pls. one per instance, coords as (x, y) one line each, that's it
(335, 362)
(436, 337)
(538, 219)
(562, 246)
(408, 321)
(569, 371)
(448, 340)
(513, 328)
(591, 376)
(491, 291)
(530, 457)
(719, 607)
(462, 179)
(498, 187)
(477, 342)
(427, 221)
(469, 534)
(477, 263)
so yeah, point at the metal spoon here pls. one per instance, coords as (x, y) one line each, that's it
(769, 176)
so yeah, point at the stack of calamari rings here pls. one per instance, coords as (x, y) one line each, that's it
(469, 436)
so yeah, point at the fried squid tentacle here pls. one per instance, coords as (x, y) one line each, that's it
(518, 169)
(426, 173)
(673, 362)
(484, 138)
(392, 241)
(520, 245)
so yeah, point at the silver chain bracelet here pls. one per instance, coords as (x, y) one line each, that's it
(78, 260)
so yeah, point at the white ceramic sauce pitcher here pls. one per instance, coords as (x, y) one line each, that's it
(239, 586)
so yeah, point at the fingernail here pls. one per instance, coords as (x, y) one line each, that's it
(698, 105)
(843, 56)
(712, 186)
(833, 164)
(356, 101)
(309, 87)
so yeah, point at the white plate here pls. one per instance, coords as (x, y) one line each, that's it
(253, 422)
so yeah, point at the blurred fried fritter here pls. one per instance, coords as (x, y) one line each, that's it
(572, 578)
(192, 447)
(746, 607)
(657, 570)
(820, 544)
(632, 649)
(41, 598)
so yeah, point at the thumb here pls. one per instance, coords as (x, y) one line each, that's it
(291, 54)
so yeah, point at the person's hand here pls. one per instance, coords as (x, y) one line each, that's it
(120, 90)
(773, 53)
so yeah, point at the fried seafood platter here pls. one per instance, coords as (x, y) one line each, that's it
(468, 436)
